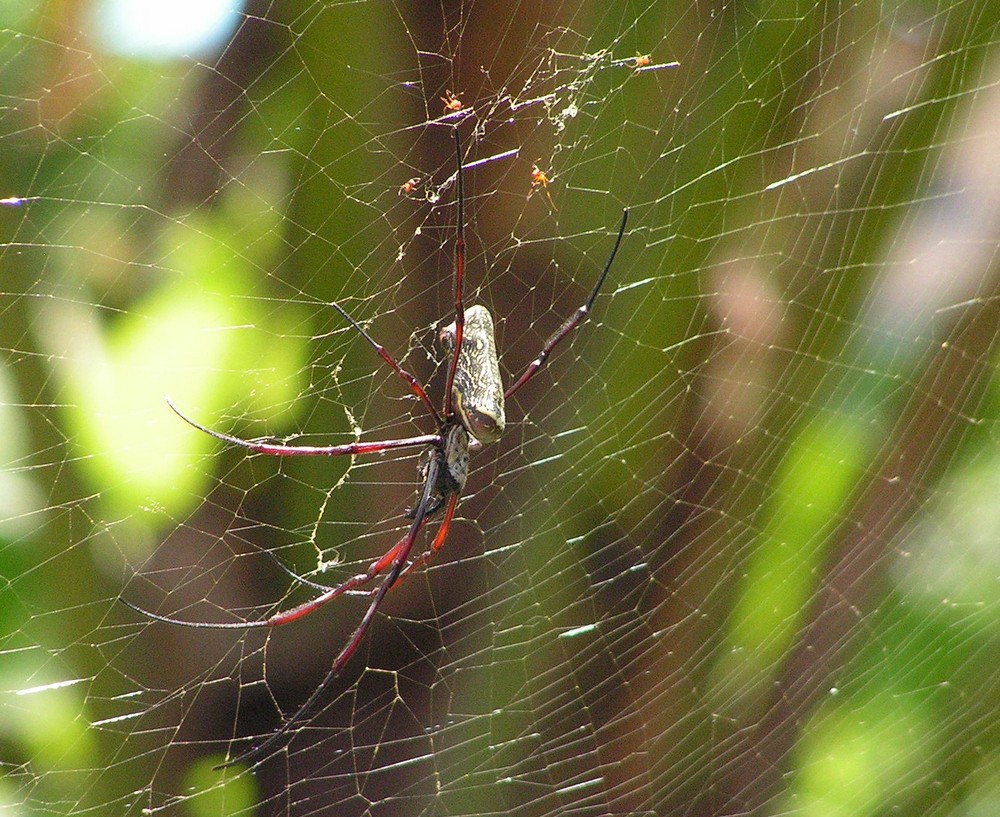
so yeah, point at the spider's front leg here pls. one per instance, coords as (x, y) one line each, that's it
(282, 450)
(574, 320)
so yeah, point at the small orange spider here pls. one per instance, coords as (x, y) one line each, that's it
(539, 179)
(452, 104)
(641, 61)
(409, 186)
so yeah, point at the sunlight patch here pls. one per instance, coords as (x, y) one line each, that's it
(166, 30)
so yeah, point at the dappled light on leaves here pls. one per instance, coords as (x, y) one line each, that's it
(736, 550)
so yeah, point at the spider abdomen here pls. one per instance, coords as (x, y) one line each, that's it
(478, 390)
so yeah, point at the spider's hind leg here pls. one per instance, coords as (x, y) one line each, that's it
(453, 467)
(411, 513)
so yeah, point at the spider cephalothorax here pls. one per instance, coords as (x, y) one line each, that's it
(452, 458)
(472, 414)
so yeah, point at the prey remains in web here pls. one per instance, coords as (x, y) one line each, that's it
(473, 408)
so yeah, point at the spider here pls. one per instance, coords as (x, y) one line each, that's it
(472, 414)
(539, 179)
(452, 103)
(409, 186)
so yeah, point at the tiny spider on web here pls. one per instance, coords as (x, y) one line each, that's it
(472, 409)
(410, 185)
(539, 179)
(452, 103)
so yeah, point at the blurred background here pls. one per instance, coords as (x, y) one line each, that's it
(738, 551)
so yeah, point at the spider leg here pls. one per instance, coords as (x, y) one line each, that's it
(449, 400)
(573, 321)
(374, 569)
(354, 448)
(299, 611)
(418, 389)
(278, 619)
(397, 558)
(437, 544)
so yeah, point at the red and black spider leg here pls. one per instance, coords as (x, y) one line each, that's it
(573, 321)
(294, 613)
(388, 558)
(436, 545)
(374, 447)
(400, 553)
(415, 385)
(449, 400)
(278, 619)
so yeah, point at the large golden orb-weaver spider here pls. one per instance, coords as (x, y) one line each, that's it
(473, 407)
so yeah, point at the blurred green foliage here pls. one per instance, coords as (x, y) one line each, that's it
(754, 559)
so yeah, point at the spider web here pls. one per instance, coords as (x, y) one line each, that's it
(738, 550)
